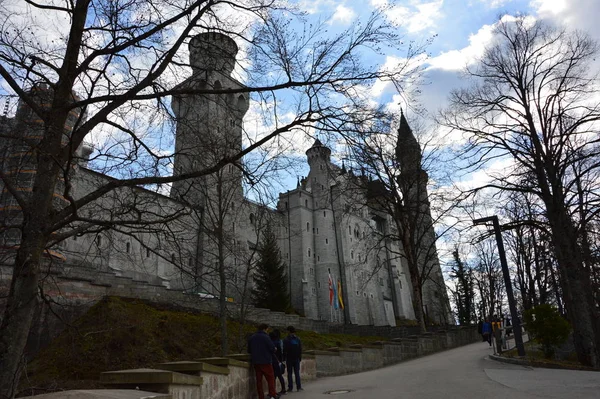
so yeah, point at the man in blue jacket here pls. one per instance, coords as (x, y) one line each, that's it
(261, 350)
(292, 353)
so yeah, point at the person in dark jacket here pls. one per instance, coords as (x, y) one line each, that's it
(278, 358)
(292, 353)
(486, 331)
(261, 351)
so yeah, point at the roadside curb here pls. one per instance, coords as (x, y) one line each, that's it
(511, 360)
(529, 363)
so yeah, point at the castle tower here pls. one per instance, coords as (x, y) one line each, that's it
(209, 125)
(413, 183)
(20, 150)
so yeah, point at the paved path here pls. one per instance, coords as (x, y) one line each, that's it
(465, 372)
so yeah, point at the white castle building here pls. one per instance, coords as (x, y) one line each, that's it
(203, 237)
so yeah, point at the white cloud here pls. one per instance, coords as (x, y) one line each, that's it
(343, 15)
(417, 17)
(456, 60)
(549, 7)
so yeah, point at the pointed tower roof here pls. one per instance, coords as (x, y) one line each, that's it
(408, 150)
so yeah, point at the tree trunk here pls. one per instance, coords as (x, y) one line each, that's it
(577, 291)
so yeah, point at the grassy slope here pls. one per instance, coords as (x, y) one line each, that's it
(121, 334)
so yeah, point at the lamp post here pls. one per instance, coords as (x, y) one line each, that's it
(509, 291)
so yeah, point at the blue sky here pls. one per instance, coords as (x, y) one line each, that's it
(461, 29)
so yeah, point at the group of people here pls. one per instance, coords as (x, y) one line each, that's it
(270, 356)
(486, 328)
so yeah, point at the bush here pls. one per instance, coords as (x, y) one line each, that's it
(547, 327)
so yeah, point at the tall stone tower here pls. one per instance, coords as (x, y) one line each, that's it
(18, 162)
(413, 182)
(209, 125)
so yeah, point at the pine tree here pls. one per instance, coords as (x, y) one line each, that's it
(270, 281)
(464, 294)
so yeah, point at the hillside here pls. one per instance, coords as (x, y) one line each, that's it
(119, 333)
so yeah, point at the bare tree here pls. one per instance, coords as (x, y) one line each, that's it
(532, 103)
(108, 68)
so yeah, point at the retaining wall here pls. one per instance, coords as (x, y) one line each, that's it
(232, 377)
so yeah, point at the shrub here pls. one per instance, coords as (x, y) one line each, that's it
(547, 327)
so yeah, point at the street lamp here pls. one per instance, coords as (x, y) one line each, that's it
(507, 282)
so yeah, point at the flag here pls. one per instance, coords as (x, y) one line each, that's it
(339, 293)
(335, 297)
(330, 291)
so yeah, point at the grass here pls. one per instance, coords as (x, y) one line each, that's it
(119, 333)
(535, 357)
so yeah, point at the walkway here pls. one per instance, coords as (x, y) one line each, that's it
(465, 372)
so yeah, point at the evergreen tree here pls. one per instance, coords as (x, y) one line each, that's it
(270, 281)
(464, 293)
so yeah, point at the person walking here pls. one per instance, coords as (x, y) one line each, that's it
(292, 353)
(278, 365)
(261, 350)
(486, 331)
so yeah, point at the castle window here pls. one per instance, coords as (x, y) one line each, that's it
(99, 240)
(328, 270)
(371, 295)
(172, 258)
(352, 254)
(319, 284)
(326, 241)
(400, 283)
(306, 203)
(286, 205)
(307, 226)
(194, 164)
(324, 214)
(128, 247)
(252, 219)
(313, 230)
(364, 234)
(191, 262)
(309, 252)
(365, 294)
(147, 252)
(349, 230)
(313, 291)
(318, 258)
(357, 293)
(317, 230)
(320, 167)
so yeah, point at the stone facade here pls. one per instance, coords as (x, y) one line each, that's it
(202, 238)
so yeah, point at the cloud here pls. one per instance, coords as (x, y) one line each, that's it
(456, 60)
(343, 15)
(416, 17)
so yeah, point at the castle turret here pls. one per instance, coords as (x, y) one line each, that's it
(413, 183)
(209, 122)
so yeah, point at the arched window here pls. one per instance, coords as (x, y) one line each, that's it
(309, 252)
(128, 247)
(147, 252)
(326, 241)
(99, 240)
(307, 226)
(306, 203)
(172, 258)
(252, 219)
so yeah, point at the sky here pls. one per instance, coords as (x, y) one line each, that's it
(460, 30)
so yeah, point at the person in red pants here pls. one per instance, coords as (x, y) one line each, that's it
(261, 350)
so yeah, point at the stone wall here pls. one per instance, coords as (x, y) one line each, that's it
(232, 377)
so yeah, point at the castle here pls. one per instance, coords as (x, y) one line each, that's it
(203, 237)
